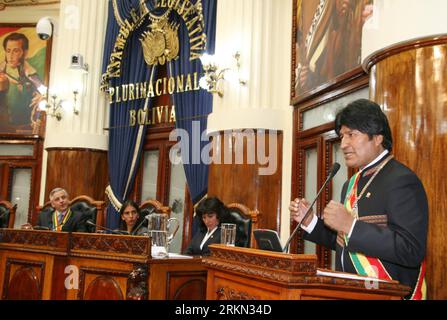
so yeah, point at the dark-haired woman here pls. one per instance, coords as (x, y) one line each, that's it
(211, 212)
(130, 215)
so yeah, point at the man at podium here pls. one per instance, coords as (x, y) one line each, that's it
(380, 227)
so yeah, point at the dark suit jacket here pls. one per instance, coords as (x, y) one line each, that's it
(75, 223)
(194, 245)
(392, 225)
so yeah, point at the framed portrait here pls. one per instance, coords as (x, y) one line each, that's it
(326, 46)
(24, 69)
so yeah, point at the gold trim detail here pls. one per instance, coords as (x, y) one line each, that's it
(117, 14)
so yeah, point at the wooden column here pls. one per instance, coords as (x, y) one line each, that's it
(410, 82)
(243, 182)
(79, 171)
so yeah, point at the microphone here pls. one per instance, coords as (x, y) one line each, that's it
(151, 210)
(40, 228)
(91, 223)
(333, 172)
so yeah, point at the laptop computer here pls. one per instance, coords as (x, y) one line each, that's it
(268, 240)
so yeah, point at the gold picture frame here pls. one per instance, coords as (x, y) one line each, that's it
(326, 44)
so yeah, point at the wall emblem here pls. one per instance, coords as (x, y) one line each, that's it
(160, 43)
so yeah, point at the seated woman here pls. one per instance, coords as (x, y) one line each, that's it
(130, 214)
(211, 212)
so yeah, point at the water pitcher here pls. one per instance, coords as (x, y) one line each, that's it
(162, 230)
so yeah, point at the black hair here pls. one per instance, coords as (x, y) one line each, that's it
(17, 36)
(212, 205)
(367, 117)
(123, 207)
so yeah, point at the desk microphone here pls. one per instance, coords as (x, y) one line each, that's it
(333, 172)
(91, 223)
(40, 228)
(142, 221)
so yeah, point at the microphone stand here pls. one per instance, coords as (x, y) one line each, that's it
(89, 222)
(41, 228)
(334, 171)
(142, 221)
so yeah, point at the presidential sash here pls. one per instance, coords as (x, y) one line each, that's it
(369, 266)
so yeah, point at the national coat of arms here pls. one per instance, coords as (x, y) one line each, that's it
(160, 43)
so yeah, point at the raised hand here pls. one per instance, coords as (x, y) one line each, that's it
(298, 209)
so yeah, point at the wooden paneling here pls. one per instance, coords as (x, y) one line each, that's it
(79, 171)
(33, 162)
(28, 258)
(410, 82)
(186, 285)
(177, 280)
(99, 267)
(102, 284)
(3, 180)
(23, 279)
(249, 274)
(243, 182)
(103, 288)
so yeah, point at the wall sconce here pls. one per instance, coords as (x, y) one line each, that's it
(237, 57)
(54, 108)
(214, 74)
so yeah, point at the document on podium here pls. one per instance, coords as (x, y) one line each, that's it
(344, 275)
(179, 256)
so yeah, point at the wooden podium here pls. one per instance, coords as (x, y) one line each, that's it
(246, 274)
(59, 265)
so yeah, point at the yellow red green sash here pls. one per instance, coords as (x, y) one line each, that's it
(57, 226)
(420, 291)
(364, 265)
(373, 267)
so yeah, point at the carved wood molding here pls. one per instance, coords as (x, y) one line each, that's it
(137, 288)
(361, 285)
(271, 267)
(23, 3)
(125, 248)
(263, 273)
(288, 265)
(401, 47)
(90, 245)
(18, 3)
(226, 293)
(36, 241)
(59, 149)
(157, 205)
(253, 214)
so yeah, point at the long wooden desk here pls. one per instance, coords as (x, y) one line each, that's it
(58, 265)
(243, 273)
